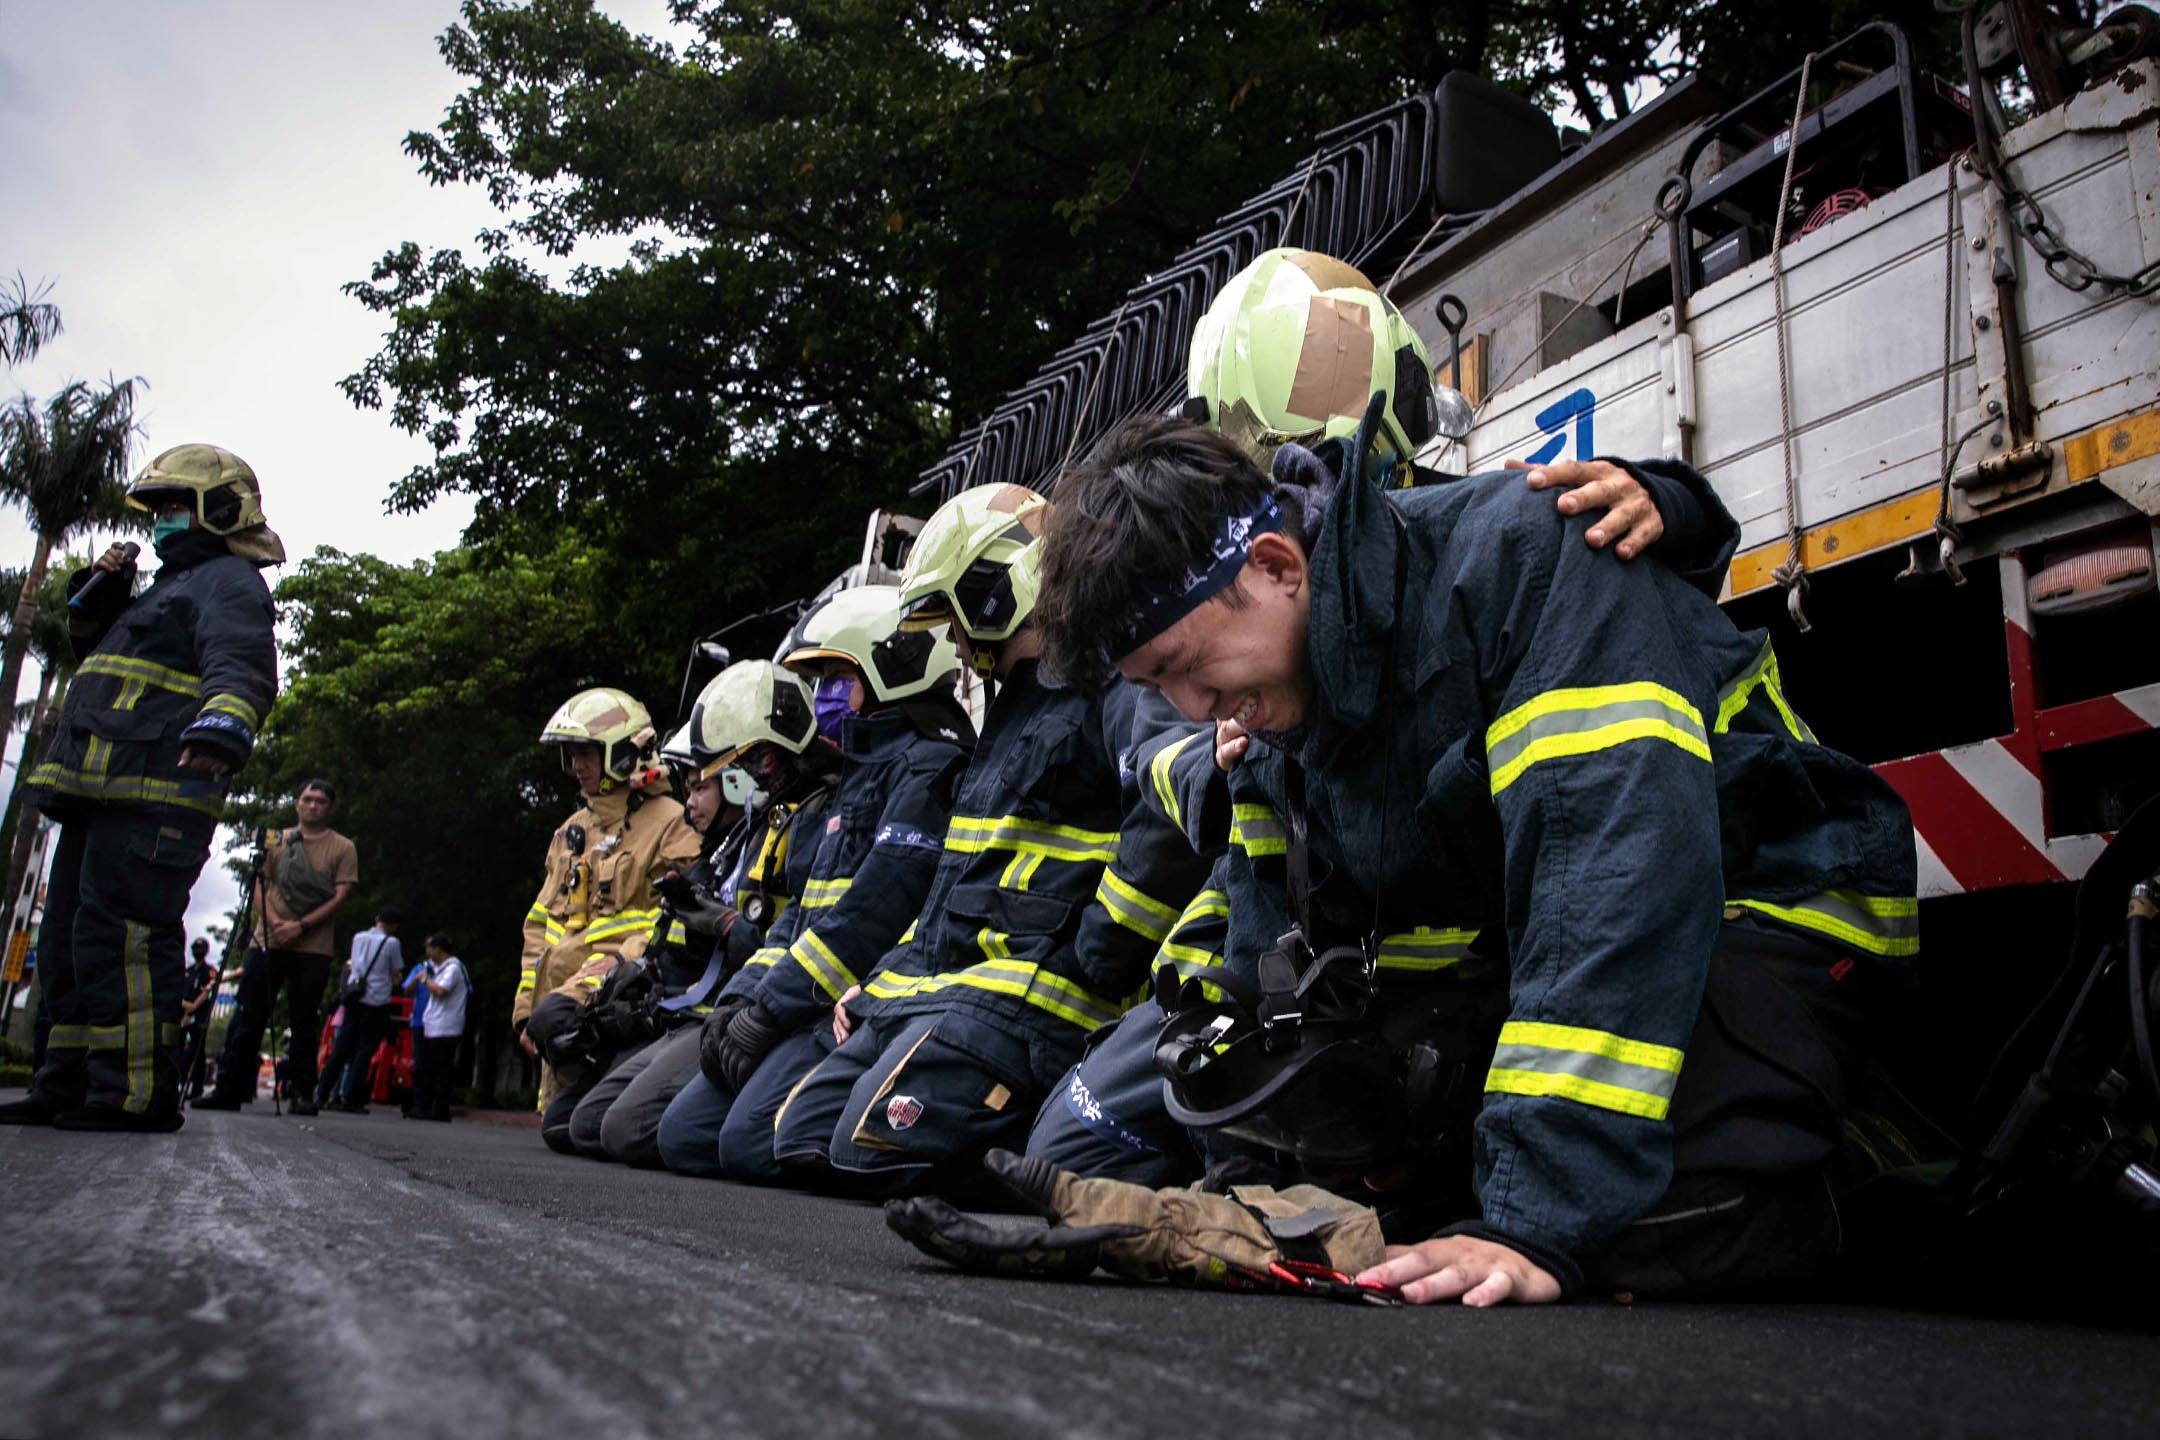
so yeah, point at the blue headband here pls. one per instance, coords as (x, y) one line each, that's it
(1155, 611)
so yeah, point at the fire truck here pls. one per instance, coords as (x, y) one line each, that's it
(1909, 330)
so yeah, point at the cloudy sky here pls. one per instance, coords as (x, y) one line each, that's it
(197, 180)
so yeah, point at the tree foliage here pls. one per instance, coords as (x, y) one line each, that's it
(419, 691)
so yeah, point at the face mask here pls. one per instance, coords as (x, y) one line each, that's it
(831, 706)
(165, 527)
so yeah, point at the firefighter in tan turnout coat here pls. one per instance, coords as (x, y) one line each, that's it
(596, 904)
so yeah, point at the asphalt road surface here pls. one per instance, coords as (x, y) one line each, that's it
(354, 1276)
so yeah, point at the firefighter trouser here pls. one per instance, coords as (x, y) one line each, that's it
(619, 1119)
(571, 1088)
(303, 976)
(1759, 1149)
(110, 957)
(709, 1129)
(910, 1104)
(1106, 1119)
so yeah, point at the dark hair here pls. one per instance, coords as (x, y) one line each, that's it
(1136, 513)
(440, 940)
(329, 791)
(388, 916)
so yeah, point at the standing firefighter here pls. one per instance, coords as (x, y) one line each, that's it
(597, 896)
(165, 705)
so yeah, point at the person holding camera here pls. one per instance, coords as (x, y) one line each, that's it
(369, 974)
(308, 873)
(164, 707)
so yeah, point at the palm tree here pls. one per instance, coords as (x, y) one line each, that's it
(65, 465)
(27, 321)
(56, 665)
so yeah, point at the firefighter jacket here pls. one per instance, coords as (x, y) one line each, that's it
(597, 897)
(1056, 885)
(1518, 734)
(768, 866)
(191, 662)
(875, 855)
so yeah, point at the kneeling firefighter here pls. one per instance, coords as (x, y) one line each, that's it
(1270, 325)
(751, 752)
(1052, 892)
(597, 898)
(1467, 710)
(885, 696)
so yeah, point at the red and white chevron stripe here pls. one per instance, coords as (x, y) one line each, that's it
(1980, 812)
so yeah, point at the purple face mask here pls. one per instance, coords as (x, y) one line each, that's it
(830, 705)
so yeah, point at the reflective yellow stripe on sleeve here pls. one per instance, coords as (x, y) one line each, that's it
(1159, 776)
(1258, 830)
(1587, 719)
(1589, 1067)
(824, 894)
(1424, 949)
(1763, 675)
(234, 706)
(1879, 924)
(820, 964)
(767, 956)
(1142, 914)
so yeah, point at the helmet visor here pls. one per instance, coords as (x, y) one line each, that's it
(933, 611)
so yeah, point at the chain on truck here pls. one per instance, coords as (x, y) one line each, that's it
(1913, 341)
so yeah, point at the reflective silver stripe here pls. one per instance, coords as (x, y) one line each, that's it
(1019, 978)
(971, 835)
(1138, 912)
(1878, 924)
(1589, 1067)
(128, 667)
(1584, 720)
(819, 962)
(93, 786)
(1257, 830)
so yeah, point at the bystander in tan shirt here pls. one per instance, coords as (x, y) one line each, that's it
(332, 857)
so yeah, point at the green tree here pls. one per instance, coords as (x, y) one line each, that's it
(854, 224)
(64, 465)
(419, 691)
(50, 646)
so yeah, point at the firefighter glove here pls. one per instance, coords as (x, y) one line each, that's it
(701, 910)
(1302, 1240)
(749, 1037)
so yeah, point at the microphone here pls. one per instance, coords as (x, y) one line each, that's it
(81, 598)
